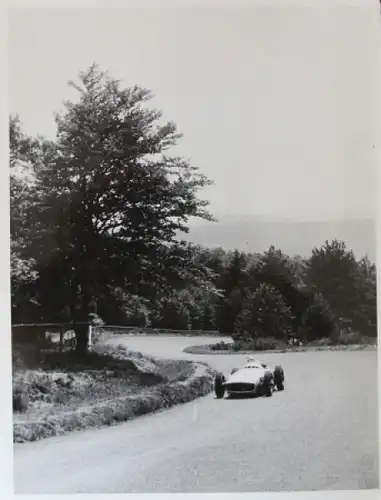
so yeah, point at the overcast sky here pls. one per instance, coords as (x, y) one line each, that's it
(277, 106)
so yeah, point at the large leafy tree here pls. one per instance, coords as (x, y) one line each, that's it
(112, 199)
(23, 153)
(332, 271)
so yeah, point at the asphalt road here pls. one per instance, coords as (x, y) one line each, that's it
(320, 433)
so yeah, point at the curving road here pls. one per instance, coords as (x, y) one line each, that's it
(320, 433)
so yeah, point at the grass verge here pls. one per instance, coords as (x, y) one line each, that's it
(110, 386)
(270, 345)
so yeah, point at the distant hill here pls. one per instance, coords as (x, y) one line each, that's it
(255, 234)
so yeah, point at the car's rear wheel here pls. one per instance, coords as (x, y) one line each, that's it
(279, 378)
(219, 387)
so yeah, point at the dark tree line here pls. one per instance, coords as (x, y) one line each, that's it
(95, 218)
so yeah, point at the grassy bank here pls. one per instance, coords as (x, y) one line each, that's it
(109, 386)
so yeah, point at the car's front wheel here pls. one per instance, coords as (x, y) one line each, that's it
(268, 385)
(219, 387)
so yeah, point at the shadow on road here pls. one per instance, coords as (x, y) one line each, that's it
(245, 396)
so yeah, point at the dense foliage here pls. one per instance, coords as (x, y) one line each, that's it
(95, 219)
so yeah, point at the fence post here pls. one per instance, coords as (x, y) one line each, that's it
(62, 331)
(90, 337)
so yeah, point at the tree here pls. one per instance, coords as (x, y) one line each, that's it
(23, 150)
(112, 201)
(286, 275)
(171, 313)
(317, 321)
(365, 314)
(215, 260)
(229, 311)
(235, 275)
(233, 283)
(331, 272)
(264, 314)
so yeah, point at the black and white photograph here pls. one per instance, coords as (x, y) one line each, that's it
(193, 247)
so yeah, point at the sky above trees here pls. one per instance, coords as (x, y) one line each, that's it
(276, 105)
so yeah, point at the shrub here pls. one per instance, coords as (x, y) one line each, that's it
(325, 341)
(20, 401)
(352, 338)
(96, 320)
(264, 344)
(220, 346)
(25, 356)
(259, 344)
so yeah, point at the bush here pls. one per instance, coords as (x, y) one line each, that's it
(20, 401)
(325, 341)
(264, 344)
(220, 346)
(26, 356)
(259, 344)
(354, 338)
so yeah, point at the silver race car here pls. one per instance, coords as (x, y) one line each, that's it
(255, 378)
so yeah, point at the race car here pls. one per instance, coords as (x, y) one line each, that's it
(255, 378)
